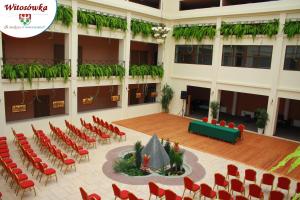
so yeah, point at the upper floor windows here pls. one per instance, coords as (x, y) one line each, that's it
(247, 56)
(194, 4)
(292, 58)
(194, 54)
(150, 3)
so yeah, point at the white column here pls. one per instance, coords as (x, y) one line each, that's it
(2, 101)
(216, 63)
(124, 54)
(234, 103)
(286, 109)
(276, 66)
(71, 52)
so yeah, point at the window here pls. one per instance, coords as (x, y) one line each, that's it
(192, 4)
(150, 3)
(292, 58)
(142, 93)
(247, 56)
(194, 54)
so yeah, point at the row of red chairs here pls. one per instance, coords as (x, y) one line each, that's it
(53, 152)
(103, 137)
(78, 134)
(108, 128)
(62, 139)
(16, 174)
(27, 153)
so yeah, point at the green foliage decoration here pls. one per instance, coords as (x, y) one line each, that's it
(31, 71)
(291, 28)
(294, 157)
(214, 106)
(64, 14)
(140, 71)
(86, 18)
(196, 32)
(138, 147)
(167, 96)
(238, 30)
(97, 71)
(141, 27)
(262, 117)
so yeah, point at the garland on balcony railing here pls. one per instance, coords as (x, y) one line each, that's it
(85, 18)
(140, 71)
(195, 31)
(100, 71)
(64, 14)
(30, 71)
(291, 28)
(238, 30)
(142, 27)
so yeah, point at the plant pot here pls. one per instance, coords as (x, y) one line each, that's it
(153, 94)
(260, 130)
(115, 98)
(87, 101)
(138, 95)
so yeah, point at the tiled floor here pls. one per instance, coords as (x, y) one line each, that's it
(90, 176)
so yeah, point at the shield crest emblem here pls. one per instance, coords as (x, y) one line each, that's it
(25, 19)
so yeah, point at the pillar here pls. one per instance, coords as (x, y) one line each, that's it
(286, 109)
(234, 103)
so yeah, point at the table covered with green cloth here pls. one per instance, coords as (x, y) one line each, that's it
(214, 131)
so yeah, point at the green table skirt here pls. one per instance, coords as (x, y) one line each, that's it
(214, 131)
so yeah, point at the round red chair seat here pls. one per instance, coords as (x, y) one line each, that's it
(12, 165)
(94, 197)
(22, 177)
(16, 171)
(26, 184)
(49, 171)
(69, 161)
(124, 194)
(83, 152)
(4, 155)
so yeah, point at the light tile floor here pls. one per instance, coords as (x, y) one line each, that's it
(90, 176)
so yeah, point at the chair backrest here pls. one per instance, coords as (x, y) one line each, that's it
(236, 185)
(188, 183)
(267, 179)
(250, 175)
(240, 197)
(170, 195)
(219, 179)
(232, 170)
(153, 188)
(116, 190)
(205, 190)
(131, 196)
(276, 195)
(222, 123)
(231, 125)
(41, 167)
(284, 183)
(255, 191)
(224, 195)
(83, 193)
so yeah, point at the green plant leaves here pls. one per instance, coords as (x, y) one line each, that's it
(291, 28)
(100, 71)
(64, 14)
(194, 32)
(140, 71)
(239, 30)
(141, 27)
(86, 18)
(31, 71)
(167, 96)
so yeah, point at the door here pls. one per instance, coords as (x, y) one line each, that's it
(59, 53)
(42, 106)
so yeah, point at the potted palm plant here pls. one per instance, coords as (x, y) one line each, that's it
(262, 118)
(167, 95)
(214, 106)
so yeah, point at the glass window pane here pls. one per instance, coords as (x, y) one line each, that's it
(292, 58)
(194, 54)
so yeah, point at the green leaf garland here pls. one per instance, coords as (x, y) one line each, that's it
(141, 27)
(194, 32)
(140, 71)
(87, 71)
(291, 28)
(64, 14)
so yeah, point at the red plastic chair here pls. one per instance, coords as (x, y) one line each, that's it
(213, 121)
(190, 185)
(133, 197)
(232, 170)
(267, 179)
(231, 125)
(48, 172)
(240, 197)
(255, 191)
(170, 195)
(250, 175)
(205, 119)
(224, 195)
(206, 191)
(284, 183)
(222, 123)
(122, 194)
(155, 190)
(241, 128)
(237, 186)
(220, 180)
(85, 196)
(276, 195)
